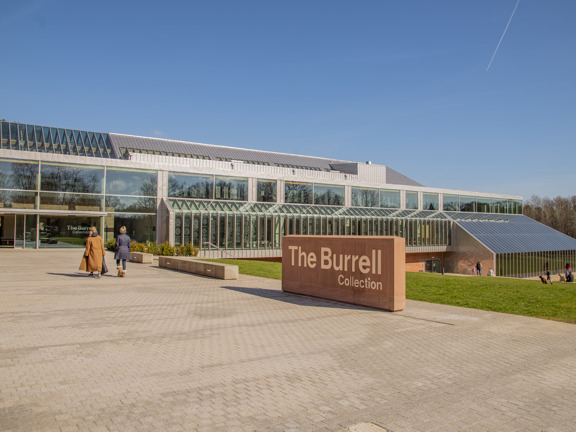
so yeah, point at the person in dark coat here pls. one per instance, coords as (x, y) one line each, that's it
(122, 251)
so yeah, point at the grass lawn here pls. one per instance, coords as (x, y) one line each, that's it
(514, 296)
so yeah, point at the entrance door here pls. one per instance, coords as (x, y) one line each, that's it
(433, 266)
(7, 230)
(25, 232)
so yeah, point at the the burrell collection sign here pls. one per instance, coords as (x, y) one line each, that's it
(365, 271)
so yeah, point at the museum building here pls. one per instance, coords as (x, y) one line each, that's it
(231, 202)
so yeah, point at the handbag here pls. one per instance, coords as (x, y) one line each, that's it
(104, 267)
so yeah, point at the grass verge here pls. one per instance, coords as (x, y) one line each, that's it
(513, 296)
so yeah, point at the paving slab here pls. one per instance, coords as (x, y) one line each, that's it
(162, 350)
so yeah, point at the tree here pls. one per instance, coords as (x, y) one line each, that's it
(558, 213)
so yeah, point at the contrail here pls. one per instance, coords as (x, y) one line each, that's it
(503, 34)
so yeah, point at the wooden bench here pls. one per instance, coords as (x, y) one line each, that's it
(203, 268)
(141, 257)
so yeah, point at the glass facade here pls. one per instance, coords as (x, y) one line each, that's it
(266, 190)
(231, 188)
(64, 231)
(298, 193)
(210, 225)
(365, 197)
(190, 186)
(18, 136)
(390, 199)
(328, 195)
(70, 202)
(131, 182)
(533, 264)
(211, 211)
(140, 227)
(18, 175)
(411, 200)
(71, 178)
(430, 201)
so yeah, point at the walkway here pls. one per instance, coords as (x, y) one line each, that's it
(166, 351)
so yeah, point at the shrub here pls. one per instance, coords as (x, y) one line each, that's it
(190, 250)
(186, 250)
(152, 248)
(137, 247)
(166, 249)
(111, 245)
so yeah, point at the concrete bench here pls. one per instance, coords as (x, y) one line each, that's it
(141, 257)
(204, 268)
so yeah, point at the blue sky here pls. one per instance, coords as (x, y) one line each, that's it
(403, 83)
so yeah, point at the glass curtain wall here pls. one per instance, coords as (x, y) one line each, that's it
(130, 201)
(533, 264)
(208, 227)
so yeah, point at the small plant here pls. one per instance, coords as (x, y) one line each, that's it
(190, 250)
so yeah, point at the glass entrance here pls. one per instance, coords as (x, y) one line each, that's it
(433, 266)
(7, 230)
(18, 231)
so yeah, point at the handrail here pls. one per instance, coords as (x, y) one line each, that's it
(222, 251)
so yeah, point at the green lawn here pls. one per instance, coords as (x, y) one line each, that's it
(514, 296)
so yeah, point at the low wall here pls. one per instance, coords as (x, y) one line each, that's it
(203, 268)
(141, 257)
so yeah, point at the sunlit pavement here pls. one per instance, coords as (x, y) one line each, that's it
(162, 350)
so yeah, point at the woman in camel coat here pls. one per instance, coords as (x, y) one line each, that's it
(93, 255)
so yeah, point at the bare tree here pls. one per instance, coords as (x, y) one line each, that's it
(558, 213)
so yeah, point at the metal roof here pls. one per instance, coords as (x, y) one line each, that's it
(394, 177)
(123, 143)
(216, 152)
(515, 233)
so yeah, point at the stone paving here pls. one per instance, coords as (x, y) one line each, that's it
(162, 350)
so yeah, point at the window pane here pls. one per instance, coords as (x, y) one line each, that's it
(451, 202)
(329, 195)
(467, 204)
(130, 204)
(65, 231)
(390, 198)
(499, 206)
(18, 175)
(231, 188)
(71, 178)
(298, 193)
(365, 197)
(130, 182)
(21, 200)
(266, 191)
(63, 201)
(514, 207)
(484, 205)
(190, 186)
(430, 201)
(140, 228)
(412, 200)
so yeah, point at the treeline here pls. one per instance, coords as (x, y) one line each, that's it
(558, 213)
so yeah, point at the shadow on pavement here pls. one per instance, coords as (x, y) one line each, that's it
(298, 299)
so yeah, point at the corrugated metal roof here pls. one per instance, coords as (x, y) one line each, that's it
(394, 177)
(516, 234)
(216, 152)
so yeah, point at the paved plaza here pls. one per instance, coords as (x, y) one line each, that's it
(162, 350)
